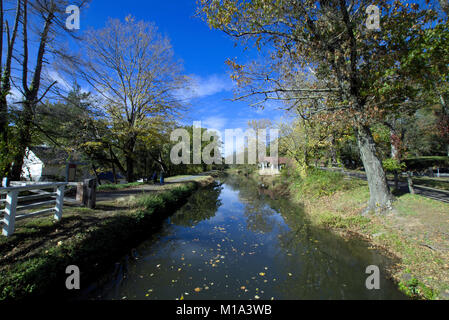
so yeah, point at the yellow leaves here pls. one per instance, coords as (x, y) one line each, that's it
(262, 274)
(197, 289)
(129, 19)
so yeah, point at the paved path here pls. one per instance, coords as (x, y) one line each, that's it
(146, 188)
(427, 192)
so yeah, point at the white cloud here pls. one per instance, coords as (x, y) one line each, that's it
(218, 123)
(201, 87)
(55, 76)
(14, 95)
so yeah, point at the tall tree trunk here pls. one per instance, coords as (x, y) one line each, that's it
(6, 72)
(394, 152)
(410, 182)
(129, 168)
(129, 158)
(94, 168)
(6, 87)
(114, 173)
(380, 195)
(30, 93)
(333, 152)
(24, 141)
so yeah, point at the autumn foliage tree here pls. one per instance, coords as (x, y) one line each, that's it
(131, 66)
(323, 57)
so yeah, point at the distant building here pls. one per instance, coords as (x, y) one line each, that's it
(269, 165)
(43, 163)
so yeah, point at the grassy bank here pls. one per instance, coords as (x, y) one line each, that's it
(415, 232)
(109, 187)
(33, 261)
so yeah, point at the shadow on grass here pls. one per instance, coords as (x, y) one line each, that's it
(93, 250)
(34, 235)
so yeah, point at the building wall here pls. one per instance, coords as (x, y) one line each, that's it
(35, 170)
(32, 167)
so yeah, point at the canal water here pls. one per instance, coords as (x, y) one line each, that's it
(231, 241)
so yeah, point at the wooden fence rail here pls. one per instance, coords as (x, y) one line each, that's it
(14, 210)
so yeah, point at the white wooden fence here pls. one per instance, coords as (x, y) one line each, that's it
(14, 211)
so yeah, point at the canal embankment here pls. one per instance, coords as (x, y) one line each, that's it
(414, 232)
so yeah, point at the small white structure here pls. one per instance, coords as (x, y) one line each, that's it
(272, 166)
(43, 163)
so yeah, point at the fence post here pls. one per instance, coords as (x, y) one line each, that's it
(90, 193)
(10, 213)
(410, 182)
(59, 202)
(80, 192)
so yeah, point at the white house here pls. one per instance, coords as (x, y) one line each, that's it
(43, 163)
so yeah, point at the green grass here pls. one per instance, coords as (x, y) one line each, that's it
(108, 187)
(176, 177)
(416, 289)
(335, 203)
(331, 220)
(318, 183)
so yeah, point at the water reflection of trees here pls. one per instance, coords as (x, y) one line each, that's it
(257, 212)
(323, 265)
(202, 205)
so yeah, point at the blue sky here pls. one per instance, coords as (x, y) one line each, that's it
(203, 52)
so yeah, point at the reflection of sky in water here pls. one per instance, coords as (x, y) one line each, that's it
(248, 250)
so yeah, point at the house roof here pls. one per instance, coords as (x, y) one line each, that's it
(52, 156)
(280, 160)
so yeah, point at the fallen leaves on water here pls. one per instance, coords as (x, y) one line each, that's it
(262, 274)
(197, 289)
